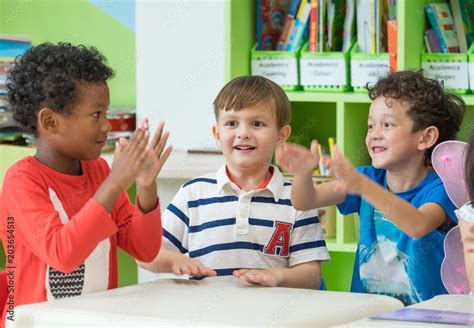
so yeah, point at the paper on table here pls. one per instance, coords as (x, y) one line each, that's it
(426, 315)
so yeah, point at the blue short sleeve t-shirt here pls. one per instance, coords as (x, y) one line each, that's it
(390, 262)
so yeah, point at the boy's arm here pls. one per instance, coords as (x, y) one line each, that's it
(177, 263)
(304, 275)
(304, 194)
(415, 222)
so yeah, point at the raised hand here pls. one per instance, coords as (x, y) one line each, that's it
(155, 156)
(264, 277)
(347, 178)
(129, 159)
(297, 159)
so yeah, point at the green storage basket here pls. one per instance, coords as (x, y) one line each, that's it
(279, 66)
(367, 68)
(470, 59)
(324, 71)
(450, 68)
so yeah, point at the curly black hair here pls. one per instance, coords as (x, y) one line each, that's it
(429, 104)
(47, 76)
(470, 167)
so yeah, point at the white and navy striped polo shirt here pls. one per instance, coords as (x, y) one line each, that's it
(227, 228)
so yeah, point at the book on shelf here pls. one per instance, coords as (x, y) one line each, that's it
(464, 27)
(442, 22)
(270, 18)
(349, 25)
(392, 44)
(336, 14)
(301, 21)
(313, 26)
(289, 21)
(13, 45)
(431, 41)
(365, 25)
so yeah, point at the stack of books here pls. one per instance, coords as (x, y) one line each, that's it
(10, 47)
(452, 26)
(282, 24)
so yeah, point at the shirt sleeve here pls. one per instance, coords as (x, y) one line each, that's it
(352, 202)
(437, 194)
(139, 234)
(176, 223)
(307, 239)
(39, 228)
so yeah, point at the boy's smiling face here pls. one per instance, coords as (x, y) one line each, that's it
(249, 136)
(390, 141)
(82, 134)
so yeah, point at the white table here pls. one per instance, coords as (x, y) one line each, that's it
(213, 302)
(455, 303)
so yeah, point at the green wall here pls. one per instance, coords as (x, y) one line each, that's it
(78, 22)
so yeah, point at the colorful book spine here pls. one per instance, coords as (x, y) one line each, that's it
(294, 27)
(299, 34)
(313, 26)
(270, 17)
(289, 21)
(392, 44)
(461, 28)
(441, 20)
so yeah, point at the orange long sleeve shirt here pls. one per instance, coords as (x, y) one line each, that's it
(58, 241)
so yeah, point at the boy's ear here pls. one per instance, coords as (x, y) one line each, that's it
(284, 134)
(215, 133)
(428, 138)
(48, 120)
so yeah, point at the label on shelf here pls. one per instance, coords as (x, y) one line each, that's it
(471, 75)
(453, 74)
(368, 71)
(283, 71)
(318, 71)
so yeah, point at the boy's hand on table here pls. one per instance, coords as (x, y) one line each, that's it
(297, 159)
(264, 277)
(348, 179)
(192, 267)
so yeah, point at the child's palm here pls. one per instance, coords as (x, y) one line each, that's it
(347, 178)
(295, 158)
(155, 157)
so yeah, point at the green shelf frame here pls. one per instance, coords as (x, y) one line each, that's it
(338, 114)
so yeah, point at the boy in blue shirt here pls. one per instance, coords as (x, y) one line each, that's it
(403, 207)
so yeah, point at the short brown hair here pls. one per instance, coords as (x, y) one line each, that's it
(246, 91)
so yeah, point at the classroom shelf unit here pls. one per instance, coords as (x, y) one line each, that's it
(334, 114)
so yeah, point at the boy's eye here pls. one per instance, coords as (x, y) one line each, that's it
(388, 125)
(370, 126)
(231, 123)
(257, 124)
(96, 114)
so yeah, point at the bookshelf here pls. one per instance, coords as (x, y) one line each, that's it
(327, 114)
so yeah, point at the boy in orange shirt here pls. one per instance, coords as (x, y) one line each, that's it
(64, 209)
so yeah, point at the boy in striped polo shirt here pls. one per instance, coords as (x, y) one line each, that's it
(239, 221)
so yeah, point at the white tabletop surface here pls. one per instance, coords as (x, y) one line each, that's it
(216, 303)
(455, 303)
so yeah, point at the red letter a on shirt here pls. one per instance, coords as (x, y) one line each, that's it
(280, 240)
